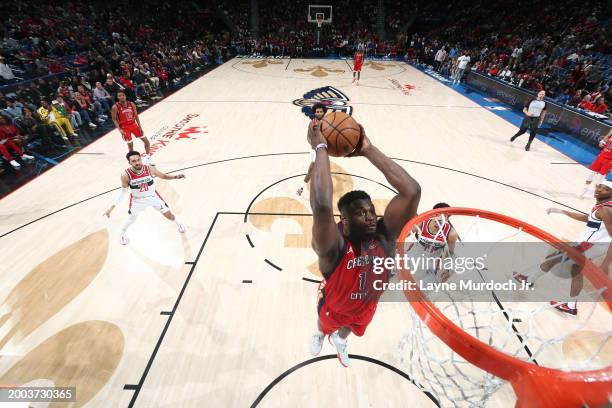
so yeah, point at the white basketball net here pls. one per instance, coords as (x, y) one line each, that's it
(554, 340)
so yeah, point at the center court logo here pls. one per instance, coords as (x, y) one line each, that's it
(329, 96)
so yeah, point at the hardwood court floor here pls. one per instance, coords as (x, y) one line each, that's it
(216, 316)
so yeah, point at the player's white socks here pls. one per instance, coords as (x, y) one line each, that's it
(594, 178)
(572, 303)
(340, 339)
(126, 224)
(591, 175)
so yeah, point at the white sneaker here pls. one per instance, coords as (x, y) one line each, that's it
(146, 159)
(317, 343)
(341, 349)
(15, 164)
(124, 240)
(27, 157)
(92, 125)
(181, 228)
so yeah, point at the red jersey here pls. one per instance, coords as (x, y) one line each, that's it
(127, 114)
(606, 151)
(436, 239)
(357, 62)
(352, 288)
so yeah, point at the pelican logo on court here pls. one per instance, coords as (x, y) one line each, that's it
(377, 65)
(329, 96)
(262, 63)
(319, 71)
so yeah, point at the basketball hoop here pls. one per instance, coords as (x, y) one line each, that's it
(320, 18)
(534, 384)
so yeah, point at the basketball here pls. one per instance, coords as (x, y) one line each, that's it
(341, 132)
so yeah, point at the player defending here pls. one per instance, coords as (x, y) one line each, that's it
(318, 111)
(594, 244)
(357, 63)
(346, 250)
(437, 239)
(138, 178)
(601, 166)
(125, 117)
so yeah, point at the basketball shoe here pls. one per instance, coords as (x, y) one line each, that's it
(317, 343)
(181, 228)
(341, 348)
(564, 308)
(123, 240)
(521, 278)
(146, 159)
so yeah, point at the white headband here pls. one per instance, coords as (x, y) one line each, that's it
(607, 183)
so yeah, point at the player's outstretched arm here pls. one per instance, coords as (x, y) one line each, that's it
(326, 239)
(574, 215)
(165, 176)
(119, 196)
(404, 205)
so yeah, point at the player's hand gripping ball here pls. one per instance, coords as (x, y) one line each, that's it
(341, 132)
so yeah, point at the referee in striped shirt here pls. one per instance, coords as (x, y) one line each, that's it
(534, 112)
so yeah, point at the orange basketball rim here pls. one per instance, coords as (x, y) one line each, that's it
(535, 386)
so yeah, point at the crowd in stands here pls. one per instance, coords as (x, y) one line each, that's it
(61, 64)
(563, 48)
(95, 49)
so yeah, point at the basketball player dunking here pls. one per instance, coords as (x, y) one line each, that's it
(138, 178)
(594, 243)
(348, 297)
(318, 111)
(357, 63)
(125, 117)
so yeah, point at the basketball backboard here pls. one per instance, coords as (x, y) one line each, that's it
(314, 9)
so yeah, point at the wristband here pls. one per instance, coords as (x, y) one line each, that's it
(321, 145)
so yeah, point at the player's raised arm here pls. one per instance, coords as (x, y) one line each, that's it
(326, 239)
(165, 176)
(404, 205)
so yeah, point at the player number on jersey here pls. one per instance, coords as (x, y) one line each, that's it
(144, 187)
(362, 280)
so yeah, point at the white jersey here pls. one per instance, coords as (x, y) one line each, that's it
(595, 229)
(142, 184)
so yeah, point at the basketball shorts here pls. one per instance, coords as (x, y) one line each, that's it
(357, 323)
(138, 205)
(357, 68)
(128, 130)
(602, 165)
(594, 252)
(427, 260)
